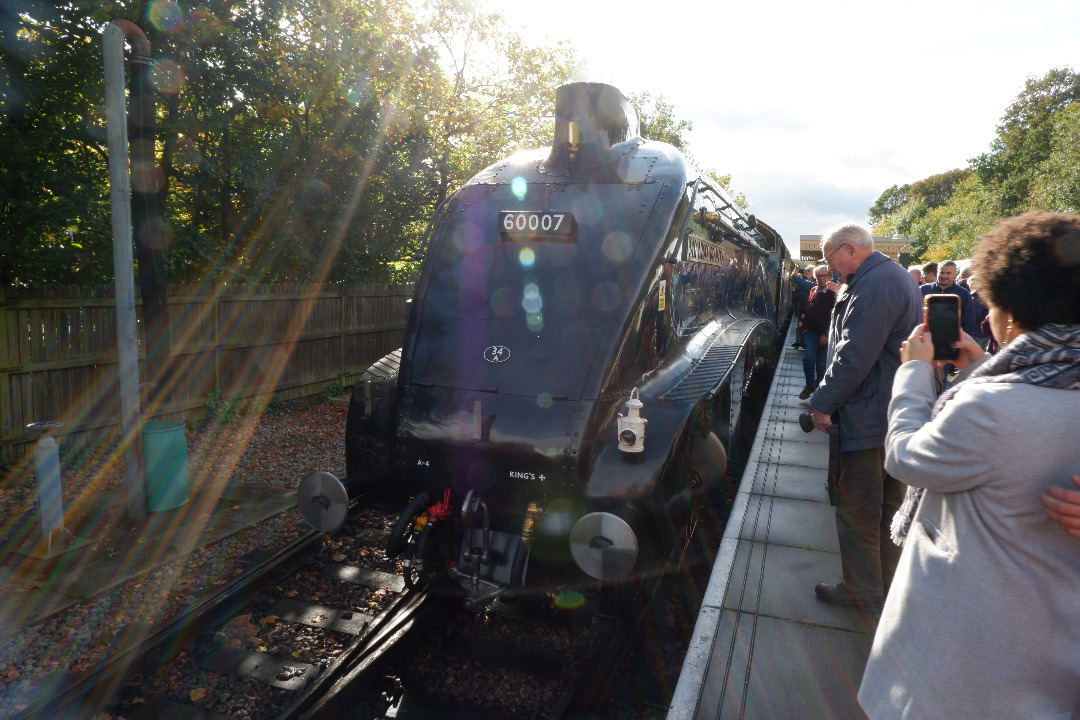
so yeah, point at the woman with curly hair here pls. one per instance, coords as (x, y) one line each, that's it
(980, 620)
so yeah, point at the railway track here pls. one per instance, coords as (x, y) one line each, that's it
(327, 628)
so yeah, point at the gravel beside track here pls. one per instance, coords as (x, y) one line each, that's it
(276, 448)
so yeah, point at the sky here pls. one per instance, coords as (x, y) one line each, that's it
(816, 108)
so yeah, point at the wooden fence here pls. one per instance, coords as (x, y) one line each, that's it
(58, 353)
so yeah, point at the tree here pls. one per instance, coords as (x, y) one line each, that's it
(936, 190)
(1025, 137)
(300, 141)
(54, 216)
(657, 121)
(1056, 185)
(887, 204)
(499, 92)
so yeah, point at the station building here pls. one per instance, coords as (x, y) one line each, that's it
(896, 247)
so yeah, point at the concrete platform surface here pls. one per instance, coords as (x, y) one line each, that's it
(764, 646)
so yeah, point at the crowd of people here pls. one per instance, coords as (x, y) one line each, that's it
(957, 524)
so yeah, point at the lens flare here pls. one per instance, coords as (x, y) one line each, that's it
(526, 257)
(606, 296)
(518, 186)
(359, 91)
(569, 599)
(501, 301)
(1067, 248)
(156, 234)
(617, 246)
(557, 518)
(203, 27)
(167, 76)
(166, 16)
(146, 177)
(531, 300)
(544, 400)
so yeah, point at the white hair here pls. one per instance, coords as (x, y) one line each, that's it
(851, 233)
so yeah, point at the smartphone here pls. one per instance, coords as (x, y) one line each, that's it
(942, 313)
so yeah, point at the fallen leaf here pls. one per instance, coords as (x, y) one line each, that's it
(197, 694)
(269, 620)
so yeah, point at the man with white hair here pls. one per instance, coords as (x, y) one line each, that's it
(875, 311)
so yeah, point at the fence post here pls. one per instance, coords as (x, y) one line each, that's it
(341, 334)
(218, 308)
(6, 362)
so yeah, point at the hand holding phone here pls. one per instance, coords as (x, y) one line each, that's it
(942, 314)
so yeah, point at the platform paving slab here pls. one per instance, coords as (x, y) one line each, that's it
(786, 521)
(798, 670)
(781, 480)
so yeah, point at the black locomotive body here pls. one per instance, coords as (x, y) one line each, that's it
(591, 337)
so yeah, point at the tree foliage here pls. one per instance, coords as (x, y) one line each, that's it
(499, 91)
(1025, 137)
(299, 140)
(1033, 163)
(53, 167)
(657, 121)
(888, 203)
(1056, 182)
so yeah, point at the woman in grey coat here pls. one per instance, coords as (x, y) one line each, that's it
(981, 618)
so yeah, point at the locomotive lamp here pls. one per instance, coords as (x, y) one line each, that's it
(632, 427)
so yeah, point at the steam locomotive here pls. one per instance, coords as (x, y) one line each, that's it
(592, 335)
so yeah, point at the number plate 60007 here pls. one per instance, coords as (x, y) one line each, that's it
(520, 225)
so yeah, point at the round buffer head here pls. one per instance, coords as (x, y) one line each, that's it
(604, 546)
(323, 501)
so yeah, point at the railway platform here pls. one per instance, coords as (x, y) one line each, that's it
(764, 645)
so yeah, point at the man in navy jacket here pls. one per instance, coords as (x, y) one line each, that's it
(875, 311)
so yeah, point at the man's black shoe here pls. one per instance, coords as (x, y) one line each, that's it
(806, 392)
(797, 346)
(838, 594)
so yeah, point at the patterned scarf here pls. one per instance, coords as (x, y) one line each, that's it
(1048, 356)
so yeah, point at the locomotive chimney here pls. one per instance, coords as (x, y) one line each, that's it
(589, 119)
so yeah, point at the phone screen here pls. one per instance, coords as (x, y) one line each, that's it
(943, 318)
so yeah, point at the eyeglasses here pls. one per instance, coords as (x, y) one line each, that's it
(836, 249)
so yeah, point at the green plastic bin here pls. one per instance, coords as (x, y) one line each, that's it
(165, 464)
